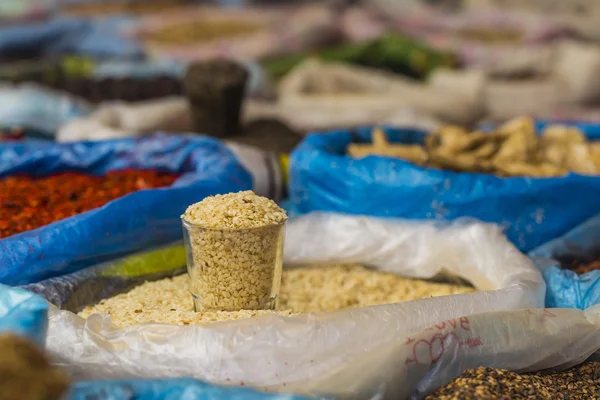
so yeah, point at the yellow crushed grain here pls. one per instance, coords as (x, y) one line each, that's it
(303, 289)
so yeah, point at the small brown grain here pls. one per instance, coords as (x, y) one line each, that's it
(578, 383)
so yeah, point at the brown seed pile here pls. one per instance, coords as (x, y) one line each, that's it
(580, 382)
(236, 251)
(303, 289)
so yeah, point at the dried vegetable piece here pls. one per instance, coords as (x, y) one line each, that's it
(28, 203)
(580, 382)
(313, 288)
(381, 147)
(514, 149)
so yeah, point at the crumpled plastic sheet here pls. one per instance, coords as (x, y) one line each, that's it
(532, 211)
(320, 353)
(144, 219)
(565, 288)
(23, 313)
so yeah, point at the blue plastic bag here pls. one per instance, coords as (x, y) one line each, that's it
(140, 220)
(532, 210)
(166, 389)
(40, 37)
(564, 288)
(23, 313)
(67, 35)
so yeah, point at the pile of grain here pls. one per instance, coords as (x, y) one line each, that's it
(304, 289)
(581, 382)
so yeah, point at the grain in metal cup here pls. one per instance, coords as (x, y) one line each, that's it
(215, 90)
(234, 249)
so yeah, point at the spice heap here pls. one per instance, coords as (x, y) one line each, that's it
(303, 289)
(514, 149)
(28, 203)
(235, 251)
(581, 382)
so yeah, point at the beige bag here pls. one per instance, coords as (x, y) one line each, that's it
(357, 89)
(118, 119)
(507, 99)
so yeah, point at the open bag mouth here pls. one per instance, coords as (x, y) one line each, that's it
(293, 351)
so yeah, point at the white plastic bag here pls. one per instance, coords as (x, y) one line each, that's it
(119, 119)
(416, 365)
(323, 352)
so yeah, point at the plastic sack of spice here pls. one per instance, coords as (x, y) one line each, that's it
(295, 350)
(532, 210)
(193, 167)
(492, 40)
(570, 267)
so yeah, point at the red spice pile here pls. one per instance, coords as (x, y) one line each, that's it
(28, 203)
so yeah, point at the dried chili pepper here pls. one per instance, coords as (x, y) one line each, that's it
(28, 203)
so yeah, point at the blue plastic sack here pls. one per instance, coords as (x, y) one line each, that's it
(532, 210)
(166, 389)
(40, 37)
(72, 36)
(39, 109)
(566, 289)
(23, 313)
(140, 220)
